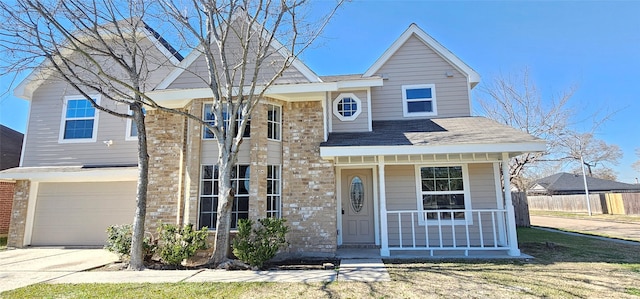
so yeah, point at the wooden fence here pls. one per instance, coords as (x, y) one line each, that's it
(521, 208)
(608, 203)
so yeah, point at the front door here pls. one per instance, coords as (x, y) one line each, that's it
(357, 207)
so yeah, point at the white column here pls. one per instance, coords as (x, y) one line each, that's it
(511, 216)
(384, 248)
(502, 237)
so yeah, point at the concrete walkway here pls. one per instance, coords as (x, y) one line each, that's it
(23, 267)
(619, 230)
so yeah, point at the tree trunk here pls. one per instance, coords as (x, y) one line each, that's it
(137, 254)
(225, 204)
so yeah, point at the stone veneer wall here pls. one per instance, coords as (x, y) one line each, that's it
(19, 214)
(165, 139)
(309, 199)
(6, 202)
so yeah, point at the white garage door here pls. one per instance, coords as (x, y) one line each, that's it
(79, 213)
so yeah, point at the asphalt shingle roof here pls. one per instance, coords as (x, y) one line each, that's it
(439, 131)
(567, 182)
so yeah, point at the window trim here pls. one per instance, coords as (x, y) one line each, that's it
(279, 124)
(339, 98)
(128, 136)
(63, 120)
(278, 181)
(203, 128)
(405, 101)
(468, 215)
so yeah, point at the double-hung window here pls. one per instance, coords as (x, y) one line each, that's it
(419, 100)
(210, 118)
(274, 204)
(79, 120)
(209, 190)
(444, 192)
(274, 122)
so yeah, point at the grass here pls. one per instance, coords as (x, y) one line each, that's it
(603, 217)
(3, 242)
(565, 266)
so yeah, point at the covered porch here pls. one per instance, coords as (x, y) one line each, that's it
(436, 186)
(405, 221)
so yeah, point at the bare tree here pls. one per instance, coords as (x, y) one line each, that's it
(636, 164)
(247, 46)
(591, 152)
(95, 47)
(514, 100)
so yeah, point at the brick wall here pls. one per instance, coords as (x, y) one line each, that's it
(309, 201)
(18, 214)
(165, 140)
(6, 201)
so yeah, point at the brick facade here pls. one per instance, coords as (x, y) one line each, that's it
(19, 214)
(165, 141)
(6, 201)
(309, 199)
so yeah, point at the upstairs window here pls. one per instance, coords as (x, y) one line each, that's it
(132, 127)
(274, 122)
(79, 120)
(419, 100)
(347, 107)
(209, 117)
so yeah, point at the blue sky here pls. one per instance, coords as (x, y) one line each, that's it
(592, 45)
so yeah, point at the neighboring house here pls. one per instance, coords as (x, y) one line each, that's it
(567, 183)
(390, 158)
(10, 148)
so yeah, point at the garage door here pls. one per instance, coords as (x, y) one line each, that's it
(79, 213)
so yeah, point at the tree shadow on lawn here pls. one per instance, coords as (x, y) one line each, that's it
(563, 265)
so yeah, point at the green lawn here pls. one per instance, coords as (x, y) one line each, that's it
(565, 267)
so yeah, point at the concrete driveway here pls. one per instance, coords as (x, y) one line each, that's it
(23, 267)
(625, 231)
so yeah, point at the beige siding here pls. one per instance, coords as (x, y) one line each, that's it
(196, 74)
(42, 147)
(274, 152)
(416, 63)
(401, 195)
(209, 152)
(79, 213)
(483, 187)
(400, 183)
(360, 124)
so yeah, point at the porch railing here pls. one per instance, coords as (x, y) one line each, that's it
(480, 229)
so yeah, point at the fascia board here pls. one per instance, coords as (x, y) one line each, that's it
(344, 151)
(82, 175)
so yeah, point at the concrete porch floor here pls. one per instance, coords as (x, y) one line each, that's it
(373, 253)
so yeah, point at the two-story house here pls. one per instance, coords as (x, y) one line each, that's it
(389, 159)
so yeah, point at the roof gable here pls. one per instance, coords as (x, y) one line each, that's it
(414, 30)
(43, 72)
(187, 65)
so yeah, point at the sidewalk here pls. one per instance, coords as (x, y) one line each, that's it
(617, 230)
(368, 270)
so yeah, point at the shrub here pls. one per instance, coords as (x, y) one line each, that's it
(257, 245)
(177, 244)
(119, 241)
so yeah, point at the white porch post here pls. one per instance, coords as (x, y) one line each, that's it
(384, 248)
(511, 217)
(502, 236)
